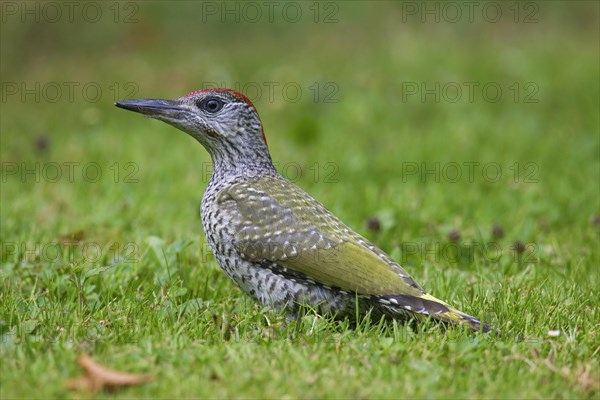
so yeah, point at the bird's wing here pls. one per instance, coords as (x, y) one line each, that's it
(282, 224)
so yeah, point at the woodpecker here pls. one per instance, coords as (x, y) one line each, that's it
(275, 241)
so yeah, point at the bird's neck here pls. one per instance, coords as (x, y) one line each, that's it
(235, 164)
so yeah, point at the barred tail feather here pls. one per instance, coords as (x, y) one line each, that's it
(436, 308)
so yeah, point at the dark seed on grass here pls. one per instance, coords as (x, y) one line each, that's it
(373, 224)
(596, 220)
(497, 231)
(518, 246)
(454, 235)
(41, 143)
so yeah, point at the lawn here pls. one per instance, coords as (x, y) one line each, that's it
(462, 139)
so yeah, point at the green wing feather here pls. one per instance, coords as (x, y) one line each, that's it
(281, 223)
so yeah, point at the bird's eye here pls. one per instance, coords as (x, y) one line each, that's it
(212, 105)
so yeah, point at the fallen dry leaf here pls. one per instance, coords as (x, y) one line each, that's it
(98, 377)
(73, 238)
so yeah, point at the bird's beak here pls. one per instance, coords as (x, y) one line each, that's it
(156, 108)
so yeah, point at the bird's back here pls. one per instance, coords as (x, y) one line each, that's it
(279, 222)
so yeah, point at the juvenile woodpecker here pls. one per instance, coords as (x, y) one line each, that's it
(274, 240)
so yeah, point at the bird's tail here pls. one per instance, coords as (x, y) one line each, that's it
(436, 308)
(457, 317)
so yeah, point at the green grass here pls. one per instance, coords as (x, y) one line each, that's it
(118, 267)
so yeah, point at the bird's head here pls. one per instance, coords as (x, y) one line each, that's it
(220, 119)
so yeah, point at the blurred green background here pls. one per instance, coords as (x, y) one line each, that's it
(372, 107)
